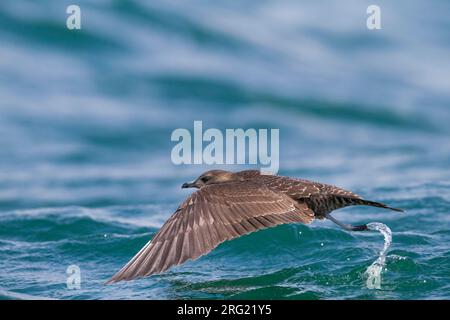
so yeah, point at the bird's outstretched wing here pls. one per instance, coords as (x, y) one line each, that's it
(208, 217)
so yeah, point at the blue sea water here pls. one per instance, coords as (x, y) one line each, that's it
(86, 116)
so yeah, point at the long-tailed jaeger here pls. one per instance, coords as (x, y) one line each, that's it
(228, 205)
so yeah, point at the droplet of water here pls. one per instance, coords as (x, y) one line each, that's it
(375, 269)
(321, 244)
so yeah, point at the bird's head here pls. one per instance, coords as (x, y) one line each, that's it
(212, 177)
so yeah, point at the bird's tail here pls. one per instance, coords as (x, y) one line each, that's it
(375, 204)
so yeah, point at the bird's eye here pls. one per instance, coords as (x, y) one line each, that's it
(205, 179)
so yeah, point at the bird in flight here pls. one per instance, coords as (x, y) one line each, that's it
(228, 205)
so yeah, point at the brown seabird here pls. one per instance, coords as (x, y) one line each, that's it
(231, 204)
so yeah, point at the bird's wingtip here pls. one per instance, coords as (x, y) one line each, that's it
(110, 281)
(113, 280)
(398, 209)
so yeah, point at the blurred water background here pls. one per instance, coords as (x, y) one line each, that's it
(86, 117)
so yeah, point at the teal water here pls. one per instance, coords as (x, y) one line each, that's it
(86, 117)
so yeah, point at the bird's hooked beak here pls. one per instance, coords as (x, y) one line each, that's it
(189, 185)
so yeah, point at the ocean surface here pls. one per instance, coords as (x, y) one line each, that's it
(86, 116)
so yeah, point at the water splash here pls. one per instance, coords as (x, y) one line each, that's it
(375, 269)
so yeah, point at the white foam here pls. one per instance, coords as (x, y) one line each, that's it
(374, 270)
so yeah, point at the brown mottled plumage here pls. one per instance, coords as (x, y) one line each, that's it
(228, 205)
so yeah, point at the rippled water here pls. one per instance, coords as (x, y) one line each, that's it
(86, 117)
